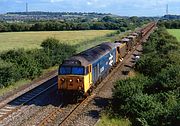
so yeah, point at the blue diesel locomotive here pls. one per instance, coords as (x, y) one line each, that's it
(79, 73)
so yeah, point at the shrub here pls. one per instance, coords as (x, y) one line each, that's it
(168, 79)
(7, 73)
(173, 118)
(19, 64)
(150, 64)
(127, 88)
(41, 57)
(57, 51)
(152, 99)
(124, 90)
(25, 64)
(144, 106)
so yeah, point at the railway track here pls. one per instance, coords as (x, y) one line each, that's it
(80, 106)
(14, 105)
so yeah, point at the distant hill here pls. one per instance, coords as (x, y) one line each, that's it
(38, 15)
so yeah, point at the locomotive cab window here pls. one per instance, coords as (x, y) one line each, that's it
(65, 70)
(78, 70)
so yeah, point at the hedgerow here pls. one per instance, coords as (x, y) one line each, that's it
(21, 64)
(153, 96)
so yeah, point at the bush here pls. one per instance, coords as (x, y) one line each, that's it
(146, 107)
(57, 51)
(132, 99)
(150, 64)
(124, 90)
(152, 99)
(25, 64)
(21, 64)
(127, 88)
(173, 118)
(41, 57)
(7, 73)
(169, 78)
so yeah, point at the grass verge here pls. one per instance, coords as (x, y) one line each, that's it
(175, 33)
(13, 87)
(107, 121)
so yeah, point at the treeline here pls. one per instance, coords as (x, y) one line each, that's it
(106, 23)
(20, 64)
(152, 98)
(170, 24)
(61, 26)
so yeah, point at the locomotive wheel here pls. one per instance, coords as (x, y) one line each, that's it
(90, 91)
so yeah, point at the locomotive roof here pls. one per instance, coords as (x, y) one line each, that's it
(91, 55)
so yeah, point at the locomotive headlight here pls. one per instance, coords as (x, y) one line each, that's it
(70, 80)
(62, 79)
(80, 88)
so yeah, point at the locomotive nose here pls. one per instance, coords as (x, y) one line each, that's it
(70, 83)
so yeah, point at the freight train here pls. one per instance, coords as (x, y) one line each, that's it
(79, 74)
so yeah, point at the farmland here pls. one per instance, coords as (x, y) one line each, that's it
(175, 32)
(31, 40)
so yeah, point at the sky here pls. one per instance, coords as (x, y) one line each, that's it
(118, 7)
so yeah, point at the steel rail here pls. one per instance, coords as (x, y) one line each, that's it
(16, 108)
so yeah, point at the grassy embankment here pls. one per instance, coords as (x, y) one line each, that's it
(175, 33)
(32, 40)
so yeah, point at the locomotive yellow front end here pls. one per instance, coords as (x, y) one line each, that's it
(73, 78)
(71, 83)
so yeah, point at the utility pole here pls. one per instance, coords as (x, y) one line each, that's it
(167, 9)
(26, 7)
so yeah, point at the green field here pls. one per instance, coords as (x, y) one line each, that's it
(175, 32)
(30, 40)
